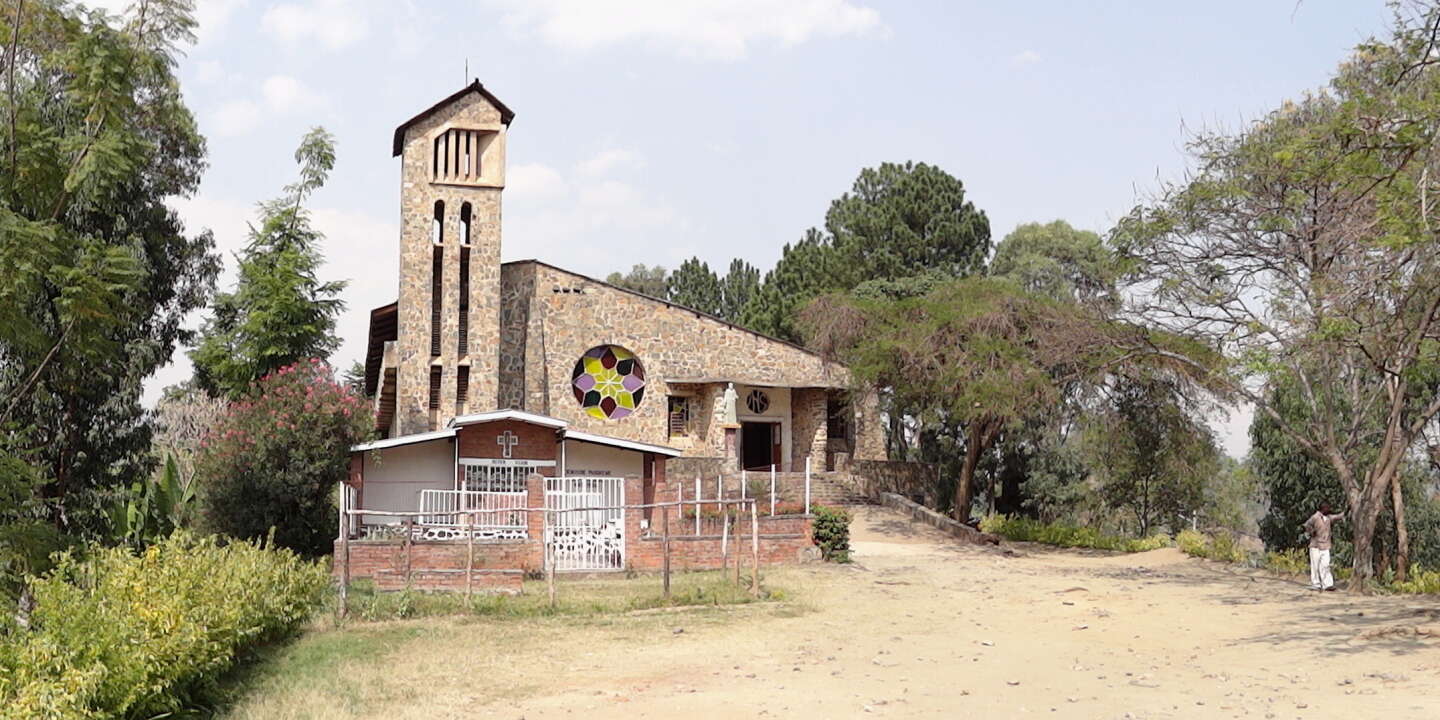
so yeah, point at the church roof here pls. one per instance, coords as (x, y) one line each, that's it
(557, 424)
(662, 301)
(506, 114)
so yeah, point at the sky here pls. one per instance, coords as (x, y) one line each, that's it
(650, 131)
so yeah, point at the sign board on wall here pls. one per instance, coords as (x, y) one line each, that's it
(506, 462)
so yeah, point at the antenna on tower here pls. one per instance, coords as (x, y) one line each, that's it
(467, 71)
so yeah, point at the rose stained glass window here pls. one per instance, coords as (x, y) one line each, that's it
(608, 382)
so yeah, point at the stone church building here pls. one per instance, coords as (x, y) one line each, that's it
(470, 336)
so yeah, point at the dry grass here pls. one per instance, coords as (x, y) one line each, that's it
(444, 657)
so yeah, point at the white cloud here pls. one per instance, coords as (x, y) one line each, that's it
(533, 184)
(1025, 57)
(212, 16)
(334, 24)
(234, 117)
(581, 222)
(208, 72)
(279, 95)
(605, 161)
(705, 29)
(284, 93)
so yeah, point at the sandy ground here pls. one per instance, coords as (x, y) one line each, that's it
(920, 626)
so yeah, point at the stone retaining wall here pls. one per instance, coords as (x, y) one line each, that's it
(944, 524)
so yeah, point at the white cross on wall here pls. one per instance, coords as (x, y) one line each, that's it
(507, 440)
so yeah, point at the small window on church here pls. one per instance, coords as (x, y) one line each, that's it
(679, 411)
(462, 386)
(465, 224)
(608, 382)
(437, 225)
(434, 388)
(757, 401)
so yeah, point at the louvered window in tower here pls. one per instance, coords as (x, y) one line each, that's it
(434, 388)
(464, 315)
(437, 269)
(458, 155)
(462, 387)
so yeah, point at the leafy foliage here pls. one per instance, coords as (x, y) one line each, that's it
(99, 273)
(274, 461)
(1151, 457)
(280, 311)
(118, 634)
(1221, 546)
(1302, 247)
(738, 286)
(642, 279)
(156, 509)
(1023, 529)
(1058, 261)
(832, 533)
(695, 286)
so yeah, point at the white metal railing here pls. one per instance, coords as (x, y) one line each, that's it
(447, 507)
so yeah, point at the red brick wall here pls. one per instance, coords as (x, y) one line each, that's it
(441, 564)
(478, 441)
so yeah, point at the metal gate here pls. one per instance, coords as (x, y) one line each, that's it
(578, 539)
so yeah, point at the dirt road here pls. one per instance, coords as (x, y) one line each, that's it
(923, 627)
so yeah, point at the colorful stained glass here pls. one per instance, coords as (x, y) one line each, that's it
(608, 382)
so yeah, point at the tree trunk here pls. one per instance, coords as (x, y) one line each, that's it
(964, 484)
(1363, 520)
(1402, 534)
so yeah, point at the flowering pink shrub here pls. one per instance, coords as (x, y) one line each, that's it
(273, 459)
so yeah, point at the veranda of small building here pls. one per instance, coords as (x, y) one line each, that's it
(461, 503)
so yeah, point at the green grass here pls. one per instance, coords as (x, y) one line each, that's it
(589, 596)
(1022, 529)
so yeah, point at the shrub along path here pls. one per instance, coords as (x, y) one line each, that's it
(920, 626)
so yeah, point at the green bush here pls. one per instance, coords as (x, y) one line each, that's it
(275, 459)
(118, 634)
(1220, 547)
(832, 533)
(1023, 529)
(1290, 562)
(1421, 581)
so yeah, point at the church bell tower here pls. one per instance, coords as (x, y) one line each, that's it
(448, 323)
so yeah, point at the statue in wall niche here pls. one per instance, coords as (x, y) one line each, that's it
(727, 406)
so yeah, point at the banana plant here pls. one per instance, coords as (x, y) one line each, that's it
(156, 508)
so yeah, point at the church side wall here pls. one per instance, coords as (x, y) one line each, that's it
(575, 314)
(517, 291)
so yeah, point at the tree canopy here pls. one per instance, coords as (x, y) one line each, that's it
(99, 271)
(1302, 246)
(280, 311)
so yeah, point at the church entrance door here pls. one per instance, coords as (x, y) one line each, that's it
(759, 445)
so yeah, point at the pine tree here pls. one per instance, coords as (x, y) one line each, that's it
(695, 286)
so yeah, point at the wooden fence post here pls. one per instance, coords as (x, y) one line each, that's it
(344, 558)
(469, 555)
(754, 551)
(739, 509)
(665, 548)
(725, 542)
(409, 545)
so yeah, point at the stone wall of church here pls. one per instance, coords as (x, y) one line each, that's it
(418, 195)
(808, 429)
(556, 316)
(516, 292)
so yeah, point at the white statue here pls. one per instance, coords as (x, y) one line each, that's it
(727, 406)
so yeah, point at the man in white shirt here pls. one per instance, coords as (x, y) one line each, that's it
(1318, 528)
